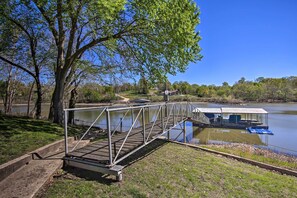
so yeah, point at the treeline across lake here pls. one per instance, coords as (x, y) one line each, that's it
(260, 90)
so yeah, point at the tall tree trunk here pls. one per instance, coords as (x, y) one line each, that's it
(56, 111)
(29, 98)
(39, 98)
(8, 93)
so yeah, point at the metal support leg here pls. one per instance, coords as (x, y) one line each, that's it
(109, 136)
(119, 177)
(66, 132)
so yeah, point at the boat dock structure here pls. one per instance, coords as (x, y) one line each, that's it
(146, 123)
(254, 120)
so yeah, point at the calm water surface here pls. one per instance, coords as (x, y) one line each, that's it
(282, 120)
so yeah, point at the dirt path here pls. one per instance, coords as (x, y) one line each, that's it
(124, 99)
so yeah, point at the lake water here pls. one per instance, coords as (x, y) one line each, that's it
(282, 120)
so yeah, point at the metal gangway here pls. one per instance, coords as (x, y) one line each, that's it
(127, 129)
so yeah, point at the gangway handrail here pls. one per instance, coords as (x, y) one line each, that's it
(119, 123)
(168, 116)
(88, 128)
(201, 116)
(153, 124)
(124, 145)
(116, 156)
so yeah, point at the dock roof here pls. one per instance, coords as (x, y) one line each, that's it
(231, 110)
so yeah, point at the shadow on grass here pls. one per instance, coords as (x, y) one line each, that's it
(14, 125)
(106, 179)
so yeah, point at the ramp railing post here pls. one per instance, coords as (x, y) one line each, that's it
(187, 106)
(109, 136)
(162, 119)
(132, 116)
(184, 130)
(121, 125)
(148, 115)
(66, 131)
(174, 108)
(143, 124)
(180, 112)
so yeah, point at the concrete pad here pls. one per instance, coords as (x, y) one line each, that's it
(10, 167)
(27, 181)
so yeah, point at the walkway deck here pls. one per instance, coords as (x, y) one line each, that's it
(98, 151)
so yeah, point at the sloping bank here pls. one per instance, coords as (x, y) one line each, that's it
(174, 170)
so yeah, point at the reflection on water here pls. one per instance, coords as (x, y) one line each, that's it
(218, 136)
(123, 119)
(206, 135)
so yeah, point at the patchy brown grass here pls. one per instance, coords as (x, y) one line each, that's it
(257, 154)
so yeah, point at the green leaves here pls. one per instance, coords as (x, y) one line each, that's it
(164, 36)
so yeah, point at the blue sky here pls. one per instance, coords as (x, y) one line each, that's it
(244, 38)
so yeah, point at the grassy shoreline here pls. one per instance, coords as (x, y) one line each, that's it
(20, 135)
(174, 170)
(257, 154)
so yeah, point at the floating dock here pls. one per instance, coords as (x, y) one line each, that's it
(254, 120)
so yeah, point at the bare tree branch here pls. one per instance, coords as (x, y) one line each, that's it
(18, 66)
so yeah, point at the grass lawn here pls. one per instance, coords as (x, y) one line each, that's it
(173, 170)
(260, 155)
(21, 135)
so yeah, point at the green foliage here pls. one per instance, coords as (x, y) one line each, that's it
(262, 90)
(143, 86)
(149, 38)
(96, 93)
(166, 39)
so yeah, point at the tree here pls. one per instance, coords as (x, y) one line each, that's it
(24, 43)
(151, 38)
(143, 86)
